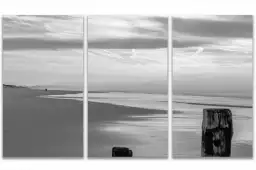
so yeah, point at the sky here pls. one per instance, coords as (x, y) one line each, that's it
(43, 51)
(212, 55)
(128, 53)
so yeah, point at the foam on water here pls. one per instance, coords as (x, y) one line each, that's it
(213, 100)
(140, 100)
(78, 96)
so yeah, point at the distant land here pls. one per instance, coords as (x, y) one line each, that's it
(13, 86)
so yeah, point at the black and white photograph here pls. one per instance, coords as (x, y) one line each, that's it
(127, 86)
(43, 84)
(212, 86)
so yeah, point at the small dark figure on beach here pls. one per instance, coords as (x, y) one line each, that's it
(45, 89)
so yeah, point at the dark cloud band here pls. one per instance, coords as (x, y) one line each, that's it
(214, 28)
(10, 44)
(129, 44)
(189, 43)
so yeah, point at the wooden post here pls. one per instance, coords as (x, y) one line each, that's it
(217, 132)
(121, 152)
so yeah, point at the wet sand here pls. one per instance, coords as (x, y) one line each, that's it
(188, 145)
(41, 127)
(144, 131)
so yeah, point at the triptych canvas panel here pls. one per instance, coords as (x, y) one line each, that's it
(42, 66)
(127, 86)
(212, 85)
(127, 103)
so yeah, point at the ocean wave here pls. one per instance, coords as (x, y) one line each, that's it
(213, 101)
(77, 96)
(140, 100)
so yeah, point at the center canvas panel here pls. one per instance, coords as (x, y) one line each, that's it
(127, 86)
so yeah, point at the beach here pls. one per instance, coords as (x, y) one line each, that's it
(187, 121)
(36, 126)
(121, 119)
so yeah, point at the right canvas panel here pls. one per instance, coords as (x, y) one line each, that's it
(212, 86)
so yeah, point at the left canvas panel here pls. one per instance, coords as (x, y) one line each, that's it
(42, 86)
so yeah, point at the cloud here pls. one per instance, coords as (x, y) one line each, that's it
(224, 18)
(127, 32)
(189, 61)
(189, 43)
(142, 43)
(224, 66)
(42, 32)
(195, 31)
(11, 44)
(37, 67)
(122, 69)
(43, 50)
(132, 57)
(233, 27)
(127, 53)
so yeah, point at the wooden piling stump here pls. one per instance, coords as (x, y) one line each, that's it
(217, 132)
(121, 152)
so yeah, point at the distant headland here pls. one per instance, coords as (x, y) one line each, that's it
(13, 86)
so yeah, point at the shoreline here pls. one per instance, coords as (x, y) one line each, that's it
(134, 107)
